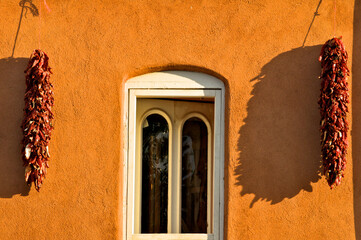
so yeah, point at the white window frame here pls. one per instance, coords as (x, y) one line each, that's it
(172, 84)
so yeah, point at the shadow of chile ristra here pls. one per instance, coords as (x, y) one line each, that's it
(279, 146)
(12, 90)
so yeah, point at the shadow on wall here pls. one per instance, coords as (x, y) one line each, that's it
(356, 117)
(279, 143)
(12, 82)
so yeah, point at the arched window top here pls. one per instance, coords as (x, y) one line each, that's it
(200, 117)
(175, 80)
(157, 112)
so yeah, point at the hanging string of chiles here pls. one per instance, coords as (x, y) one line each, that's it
(333, 108)
(37, 124)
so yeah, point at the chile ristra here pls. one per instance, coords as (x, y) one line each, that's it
(37, 124)
(333, 108)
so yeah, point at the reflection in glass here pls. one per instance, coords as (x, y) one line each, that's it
(155, 175)
(194, 176)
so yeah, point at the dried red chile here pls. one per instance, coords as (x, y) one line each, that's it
(37, 124)
(333, 108)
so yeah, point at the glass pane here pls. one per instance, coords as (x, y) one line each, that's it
(155, 175)
(194, 176)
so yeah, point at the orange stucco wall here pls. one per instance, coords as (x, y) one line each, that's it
(273, 183)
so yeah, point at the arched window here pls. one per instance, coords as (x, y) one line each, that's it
(174, 156)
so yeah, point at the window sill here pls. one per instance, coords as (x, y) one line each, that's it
(172, 237)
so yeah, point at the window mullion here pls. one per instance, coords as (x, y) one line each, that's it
(178, 170)
(171, 181)
(174, 181)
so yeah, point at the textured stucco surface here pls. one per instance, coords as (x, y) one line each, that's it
(273, 187)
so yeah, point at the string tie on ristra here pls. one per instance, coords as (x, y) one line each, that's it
(47, 7)
(334, 19)
(40, 19)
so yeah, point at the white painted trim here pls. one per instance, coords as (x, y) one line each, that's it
(221, 97)
(172, 93)
(173, 84)
(218, 181)
(173, 237)
(125, 119)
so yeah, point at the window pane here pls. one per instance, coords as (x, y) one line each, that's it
(194, 176)
(155, 175)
